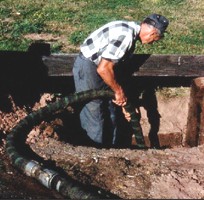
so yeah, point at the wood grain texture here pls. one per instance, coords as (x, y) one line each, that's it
(141, 65)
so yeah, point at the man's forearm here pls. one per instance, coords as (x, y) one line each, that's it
(105, 70)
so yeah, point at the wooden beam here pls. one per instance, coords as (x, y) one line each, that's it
(140, 64)
(195, 123)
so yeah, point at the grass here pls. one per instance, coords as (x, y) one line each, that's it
(70, 21)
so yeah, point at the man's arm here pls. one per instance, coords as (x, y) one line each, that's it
(105, 70)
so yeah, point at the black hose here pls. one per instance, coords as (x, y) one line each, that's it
(50, 178)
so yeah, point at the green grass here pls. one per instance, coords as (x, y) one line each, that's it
(70, 21)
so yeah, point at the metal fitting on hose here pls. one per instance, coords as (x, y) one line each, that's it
(31, 167)
(46, 176)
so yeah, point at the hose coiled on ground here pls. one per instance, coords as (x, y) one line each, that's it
(50, 178)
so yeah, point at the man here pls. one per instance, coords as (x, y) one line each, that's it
(101, 52)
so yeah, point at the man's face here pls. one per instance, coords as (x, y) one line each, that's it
(148, 35)
(150, 38)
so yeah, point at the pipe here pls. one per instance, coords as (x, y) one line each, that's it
(50, 178)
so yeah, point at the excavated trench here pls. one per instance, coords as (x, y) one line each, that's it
(125, 172)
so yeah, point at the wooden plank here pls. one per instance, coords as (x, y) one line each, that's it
(142, 65)
(173, 65)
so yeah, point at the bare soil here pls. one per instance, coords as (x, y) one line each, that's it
(171, 172)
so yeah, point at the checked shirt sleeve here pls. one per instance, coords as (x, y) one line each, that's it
(117, 48)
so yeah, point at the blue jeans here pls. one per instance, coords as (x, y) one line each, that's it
(98, 116)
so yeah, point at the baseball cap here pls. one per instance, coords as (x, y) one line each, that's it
(158, 21)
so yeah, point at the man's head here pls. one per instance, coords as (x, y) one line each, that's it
(153, 28)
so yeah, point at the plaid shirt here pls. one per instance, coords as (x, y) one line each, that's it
(113, 41)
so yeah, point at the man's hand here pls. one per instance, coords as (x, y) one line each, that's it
(120, 98)
(126, 114)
